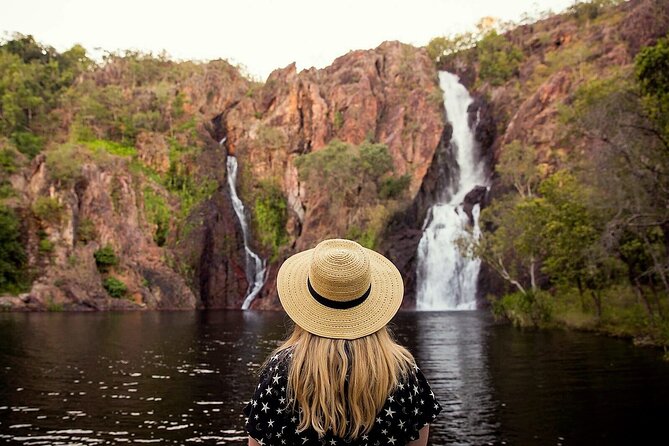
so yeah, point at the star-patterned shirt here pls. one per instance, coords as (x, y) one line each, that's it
(271, 421)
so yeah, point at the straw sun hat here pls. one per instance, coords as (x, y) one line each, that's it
(340, 289)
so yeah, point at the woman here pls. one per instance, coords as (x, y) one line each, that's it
(340, 378)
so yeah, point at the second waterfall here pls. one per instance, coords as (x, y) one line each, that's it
(256, 270)
(445, 279)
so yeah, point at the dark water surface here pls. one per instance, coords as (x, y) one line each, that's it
(184, 377)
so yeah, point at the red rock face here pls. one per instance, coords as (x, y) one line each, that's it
(388, 95)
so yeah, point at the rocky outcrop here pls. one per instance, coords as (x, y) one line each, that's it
(388, 95)
(72, 218)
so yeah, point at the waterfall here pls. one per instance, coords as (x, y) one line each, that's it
(256, 270)
(445, 279)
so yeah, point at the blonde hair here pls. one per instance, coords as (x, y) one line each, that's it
(341, 385)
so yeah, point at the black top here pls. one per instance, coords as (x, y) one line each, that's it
(270, 420)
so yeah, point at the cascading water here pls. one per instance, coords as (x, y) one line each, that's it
(256, 270)
(445, 279)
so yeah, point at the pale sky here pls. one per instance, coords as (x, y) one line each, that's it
(260, 34)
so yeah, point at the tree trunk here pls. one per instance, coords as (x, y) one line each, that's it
(642, 296)
(598, 304)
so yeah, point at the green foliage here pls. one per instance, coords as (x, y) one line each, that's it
(652, 72)
(499, 59)
(86, 231)
(338, 120)
(394, 187)
(53, 307)
(518, 167)
(48, 209)
(158, 214)
(33, 78)
(115, 287)
(12, 253)
(270, 214)
(534, 309)
(366, 237)
(111, 147)
(46, 246)
(64, 163)
(440, 47)
(28, 143)
(585, 11)
(105, 258)
(348, 172)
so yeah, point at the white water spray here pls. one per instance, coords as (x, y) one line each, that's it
(256, 268)
(445, 279)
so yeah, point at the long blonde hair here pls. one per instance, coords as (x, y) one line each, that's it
(341, 385)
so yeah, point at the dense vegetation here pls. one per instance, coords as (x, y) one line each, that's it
(75, 111)
(358, 177)
(584, 240)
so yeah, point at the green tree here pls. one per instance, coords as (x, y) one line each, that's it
(498, 58)
(12, 254)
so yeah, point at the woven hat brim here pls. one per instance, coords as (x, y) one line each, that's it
(371, 315)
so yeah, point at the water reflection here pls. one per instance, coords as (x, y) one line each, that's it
(183, 378)
(451, 349)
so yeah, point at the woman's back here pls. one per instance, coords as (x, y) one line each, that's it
(340, 378)
(273, 419)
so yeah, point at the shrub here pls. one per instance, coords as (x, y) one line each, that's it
(48, 209)
(12, 253)
(499, 58)
(345, 171)
(524, 309)
(271, 214)
(115, 287)
(158, 214)
(28, 143)
(8, 160)
(393, 187)
(111, 147)
(86, 230)
(46, 245)
(105, 258)
(64, 162)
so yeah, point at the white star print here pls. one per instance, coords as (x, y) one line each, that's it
(391, 399)
(276, 379)
(378, 420)
(270, 423)
(333, 442)
(390, 412)
(384, 431)
(401, 423)
(391, 440)
(265, 407)
(415, 411)
(261, 442)
(268, 390)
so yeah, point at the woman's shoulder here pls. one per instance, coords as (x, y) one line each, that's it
(412, 404)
